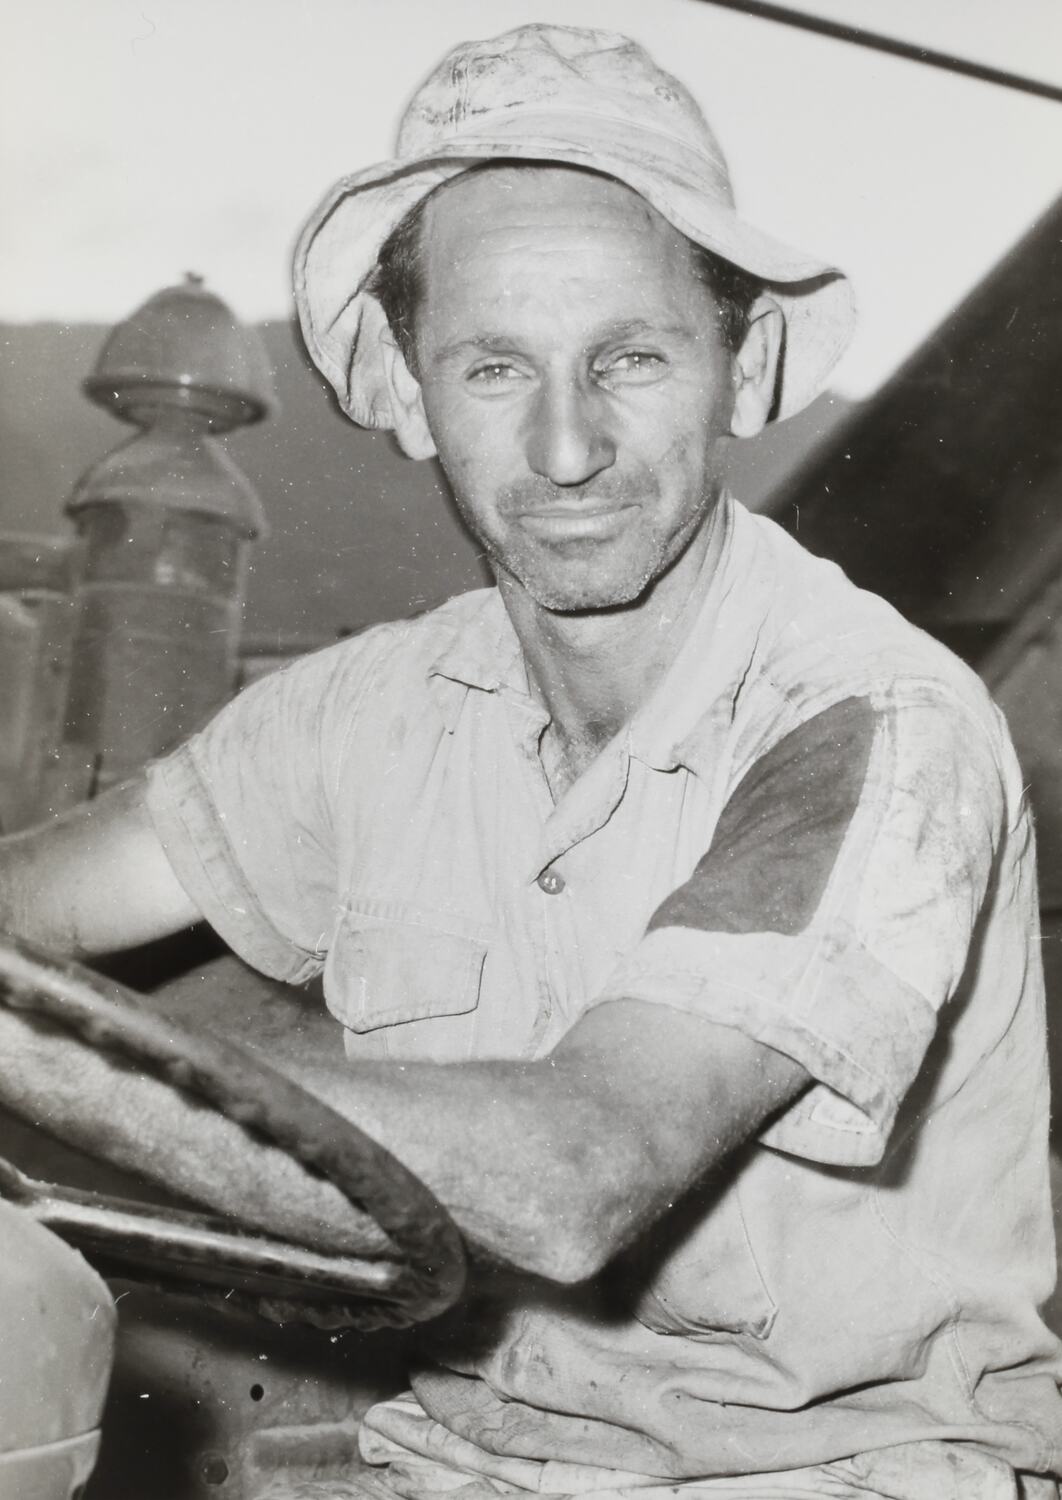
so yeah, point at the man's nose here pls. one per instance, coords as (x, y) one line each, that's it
(569, 439)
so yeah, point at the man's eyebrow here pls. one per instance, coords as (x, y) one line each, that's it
(481, 343)
(635, 328)
(627, 328)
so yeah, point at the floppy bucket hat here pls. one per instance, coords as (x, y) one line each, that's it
(556, 94)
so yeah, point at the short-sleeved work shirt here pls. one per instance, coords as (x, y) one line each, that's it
(814, 831)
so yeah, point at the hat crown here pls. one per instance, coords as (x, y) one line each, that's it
(559, 70)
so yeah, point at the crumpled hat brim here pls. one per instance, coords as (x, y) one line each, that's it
(339, 245)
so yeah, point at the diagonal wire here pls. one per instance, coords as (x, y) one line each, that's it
(911, 51)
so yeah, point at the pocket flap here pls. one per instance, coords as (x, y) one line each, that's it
(390, 964)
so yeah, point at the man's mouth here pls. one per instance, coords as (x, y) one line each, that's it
(575, 522)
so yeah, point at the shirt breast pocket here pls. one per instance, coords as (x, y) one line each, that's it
(393, 964)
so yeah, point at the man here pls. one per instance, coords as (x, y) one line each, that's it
(708, 877)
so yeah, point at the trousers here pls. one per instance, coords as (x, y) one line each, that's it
(409, 1456)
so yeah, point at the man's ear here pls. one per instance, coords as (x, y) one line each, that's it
(756, 368)
(407, 402)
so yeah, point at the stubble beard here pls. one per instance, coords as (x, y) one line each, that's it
(535, 567)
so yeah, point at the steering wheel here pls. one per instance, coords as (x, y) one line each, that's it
(410, 1272)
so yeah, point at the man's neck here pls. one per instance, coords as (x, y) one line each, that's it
(593, 670)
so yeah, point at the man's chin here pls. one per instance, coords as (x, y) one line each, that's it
(589, 597)
(599, 581)
(593, 580)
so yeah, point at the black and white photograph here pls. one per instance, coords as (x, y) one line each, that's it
(530, 749)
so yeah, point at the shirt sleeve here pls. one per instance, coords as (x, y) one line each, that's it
(244, 811)
(832, 916)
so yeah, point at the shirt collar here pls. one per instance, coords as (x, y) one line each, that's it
(697, 694)
(483, 653)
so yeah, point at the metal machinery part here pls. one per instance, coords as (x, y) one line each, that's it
(165, 523)
(422, 1276)
(37, 578)
(126, 642)
(212, 1404)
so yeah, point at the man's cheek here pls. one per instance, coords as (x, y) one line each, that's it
(472, 482)
(464, 428)
(690, 455)
(477, 461)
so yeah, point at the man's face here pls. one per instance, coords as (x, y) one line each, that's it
(573, 380)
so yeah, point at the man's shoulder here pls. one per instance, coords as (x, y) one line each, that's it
(407, 646)
(823, 638)
(820, 641)
(373, 678)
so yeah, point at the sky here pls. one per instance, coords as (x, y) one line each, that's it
(140, 139)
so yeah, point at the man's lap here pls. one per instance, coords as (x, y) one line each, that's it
(827, 1482)
(415, 1458)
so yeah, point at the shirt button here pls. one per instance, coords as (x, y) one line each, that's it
(551, 881)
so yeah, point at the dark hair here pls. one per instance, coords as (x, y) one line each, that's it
(397, 282)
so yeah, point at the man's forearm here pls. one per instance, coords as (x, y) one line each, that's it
(480, 1135)
(92, 881)
(486, 1138)
(551, 1165)
(555, 1165)
(31, 905)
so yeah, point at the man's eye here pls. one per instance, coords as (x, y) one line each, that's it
(493, 374)
(636, 363)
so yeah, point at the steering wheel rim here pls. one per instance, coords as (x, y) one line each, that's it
(427, 1273)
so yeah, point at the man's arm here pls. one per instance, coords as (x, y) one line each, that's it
(92, 881)
(556, 1165)
(552, 1165)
